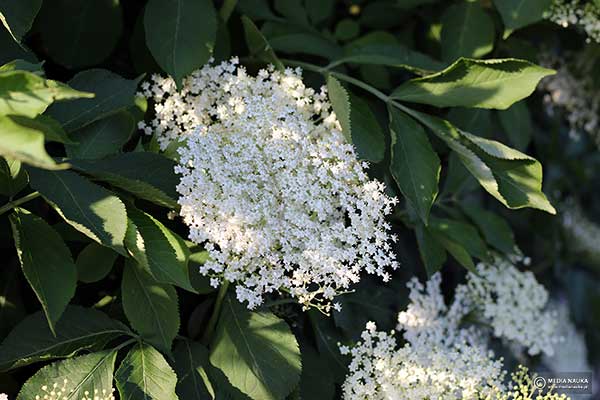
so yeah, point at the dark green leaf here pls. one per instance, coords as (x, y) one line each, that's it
(80, 33)
(79, 377)
(78, 329)
(13, 177)
(316, 381)
(180, 34)
(327, 338)
(367, 135)
(150, 307)
(256, 351)
(103, 137)
(391, 55)
(158, 250)
(26, 93)
(467, 31)
(517, 125)
(432, 252)
(288, 38)
(414, 165)
(112, 94)
(340, 102)
(94, 263)
(475, 83)
(18, 16)
(519, 13)
(478, 120)
(46, 262)
(89, 208)
(258, 45)
(462, 233)
(191, 362)
(144, 374)
(495, 229)
(148, 176)
(513, 178)
(53, 131)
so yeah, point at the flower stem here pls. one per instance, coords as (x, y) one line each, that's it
(212, 322)
(14, 203)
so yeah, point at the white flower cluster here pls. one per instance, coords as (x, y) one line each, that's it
(572, 90)
(443, 358)
(3, 396)
(58, 392)
(584, 15)
(581, 234)
(270, 186)
(512, 302)
(381, 371)
(571, 355)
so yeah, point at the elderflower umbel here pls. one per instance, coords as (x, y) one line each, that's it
(573, 91)
(269, 184)
(3, 396)
(380, 370)
(512, 302)
(444, 358)
(582, 14)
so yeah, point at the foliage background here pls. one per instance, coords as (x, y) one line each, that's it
(107, 46)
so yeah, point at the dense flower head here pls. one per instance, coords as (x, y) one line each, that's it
(382, 370)
(513, 303)
(270, 186)
(445, 357)
(584, 15)
(3, 396)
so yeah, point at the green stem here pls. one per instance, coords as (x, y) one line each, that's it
(15, 203)
(212, 322)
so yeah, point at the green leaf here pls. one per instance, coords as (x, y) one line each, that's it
(390, 55)
(462, 233)
(144, 374)
(94, 263)
(495, 229)
(103, 137)
(26, 93)
(88, 373)
(77, 33)
(256, 351)
(89, 208)
(191, 362)
(467, 31)
(475, 83)
(513, 178)
(158, 250)
(22, 65)
(180, 34)
(149, 176)
(414, 164)
(340, 102)
(79, 329)
(53, 131)
(367, 135)
(517, 124)
(472, 120)
(328, 338)
(13, 177)
(150, 307)
(457, 251)
(46, 262)
(18, 16)
(258, 45)
(432, 252)
(316, 380)
(112, 94)
(519, 13)
(297, 39)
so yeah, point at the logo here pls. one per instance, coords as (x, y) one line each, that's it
(539, 382)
